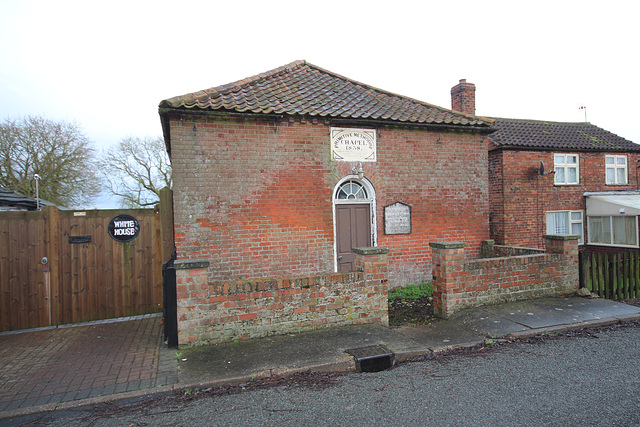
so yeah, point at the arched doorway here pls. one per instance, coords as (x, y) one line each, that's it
(354, 219)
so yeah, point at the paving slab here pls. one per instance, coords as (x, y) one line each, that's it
(602, 308)
(532, 315)
(486, 323)
(553, 312)
(441, 335)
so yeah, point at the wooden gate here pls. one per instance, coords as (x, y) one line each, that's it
(59, 267)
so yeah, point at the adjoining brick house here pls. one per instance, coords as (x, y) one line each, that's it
(562, 178)
(559, 178)
(281, 174)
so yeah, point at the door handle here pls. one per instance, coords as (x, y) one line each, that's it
(339, 257)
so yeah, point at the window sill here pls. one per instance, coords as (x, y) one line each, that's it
(609, 245)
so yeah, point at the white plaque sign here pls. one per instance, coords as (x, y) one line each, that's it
(353, 145)
(397, 219)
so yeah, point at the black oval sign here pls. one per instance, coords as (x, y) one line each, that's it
(124, 228)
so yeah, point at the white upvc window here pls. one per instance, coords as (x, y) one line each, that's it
(566, 222)
(616, 170)
(567, 169)
(613, 230)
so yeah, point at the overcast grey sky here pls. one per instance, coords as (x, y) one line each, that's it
(107, 65)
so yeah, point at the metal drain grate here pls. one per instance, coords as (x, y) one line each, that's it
(374, 358)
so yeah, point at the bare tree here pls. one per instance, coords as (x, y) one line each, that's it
(57, 151)
(136, 169)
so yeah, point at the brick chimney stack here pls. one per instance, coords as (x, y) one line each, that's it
(463, 97)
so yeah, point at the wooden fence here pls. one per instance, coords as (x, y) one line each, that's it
(59, 267)
(611, 275)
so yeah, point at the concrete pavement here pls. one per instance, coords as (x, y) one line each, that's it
(62, 367)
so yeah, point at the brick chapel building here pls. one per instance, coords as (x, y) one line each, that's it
(283, 173)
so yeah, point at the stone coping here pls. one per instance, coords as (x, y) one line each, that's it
(561, 237)
(448, 245)
(370, 251)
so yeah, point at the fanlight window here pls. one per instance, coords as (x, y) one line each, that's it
(351, 190)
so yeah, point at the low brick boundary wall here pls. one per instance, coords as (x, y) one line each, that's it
(460, 283)
(490, 250)
(211, 313)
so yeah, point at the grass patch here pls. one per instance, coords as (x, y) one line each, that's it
(412, 305)
(422, 290)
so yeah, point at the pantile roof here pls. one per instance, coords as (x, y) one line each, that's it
(300, 88)
(542, 135)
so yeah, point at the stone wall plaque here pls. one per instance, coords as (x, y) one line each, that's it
(353, 145)
(397, 218)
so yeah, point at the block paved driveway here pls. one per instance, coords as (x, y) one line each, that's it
(53, 365)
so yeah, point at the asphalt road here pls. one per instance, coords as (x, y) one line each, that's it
(588, 379)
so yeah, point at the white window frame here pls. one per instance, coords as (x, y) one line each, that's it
(612, 228)
(360, 195)
(564, 166)
(615, 167)
(571, 221)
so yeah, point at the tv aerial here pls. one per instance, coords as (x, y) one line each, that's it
(584, 107)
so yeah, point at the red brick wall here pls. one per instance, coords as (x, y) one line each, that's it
(211, 313)
(242, 197)
(255, 196)
(496, 197)
(443, 177)
(460, 283)
(520, 197)
(609, 249)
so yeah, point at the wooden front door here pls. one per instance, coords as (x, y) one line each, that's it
(353, 230)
